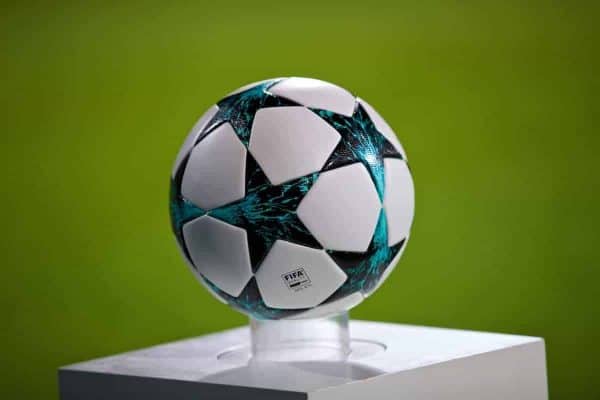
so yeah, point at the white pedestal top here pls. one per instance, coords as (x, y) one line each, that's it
(388, 361)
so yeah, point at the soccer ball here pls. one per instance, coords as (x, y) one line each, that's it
(291, 198)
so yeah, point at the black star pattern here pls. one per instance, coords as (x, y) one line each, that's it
(239, 110)
(361, 142)
(268, 212)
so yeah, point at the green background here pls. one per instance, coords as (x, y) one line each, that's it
(495, 102)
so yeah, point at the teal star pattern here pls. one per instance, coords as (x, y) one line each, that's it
(361, 142)
(239, 109)
(268, 212)
(365, 269)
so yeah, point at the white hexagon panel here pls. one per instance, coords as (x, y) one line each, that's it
(219, 252)
(192, 136)
(315, 93)
(216, 170)
(399, 201)
(293, 276)
(290, 142)
(382, 126)
(342, 208)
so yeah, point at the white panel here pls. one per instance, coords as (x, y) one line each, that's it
(188, 262)
(250, 85)
(316, 94)
(192, 136)
(341, 209)
(220, 253)
(294, 276)
(399, 201)
(388, 270)
(216, 171)
(382, 126)
(335, 307)
(289, 142)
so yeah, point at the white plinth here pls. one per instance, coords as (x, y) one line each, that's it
(388, 361)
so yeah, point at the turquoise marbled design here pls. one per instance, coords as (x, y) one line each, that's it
(361, 142)
(239, 109)
(364, 270)
(181, 210)
(268, 212)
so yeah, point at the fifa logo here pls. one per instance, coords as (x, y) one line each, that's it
(297, 279)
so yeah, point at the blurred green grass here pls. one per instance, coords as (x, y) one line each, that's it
(495, 102)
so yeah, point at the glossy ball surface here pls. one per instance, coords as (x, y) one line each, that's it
(291, 198)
